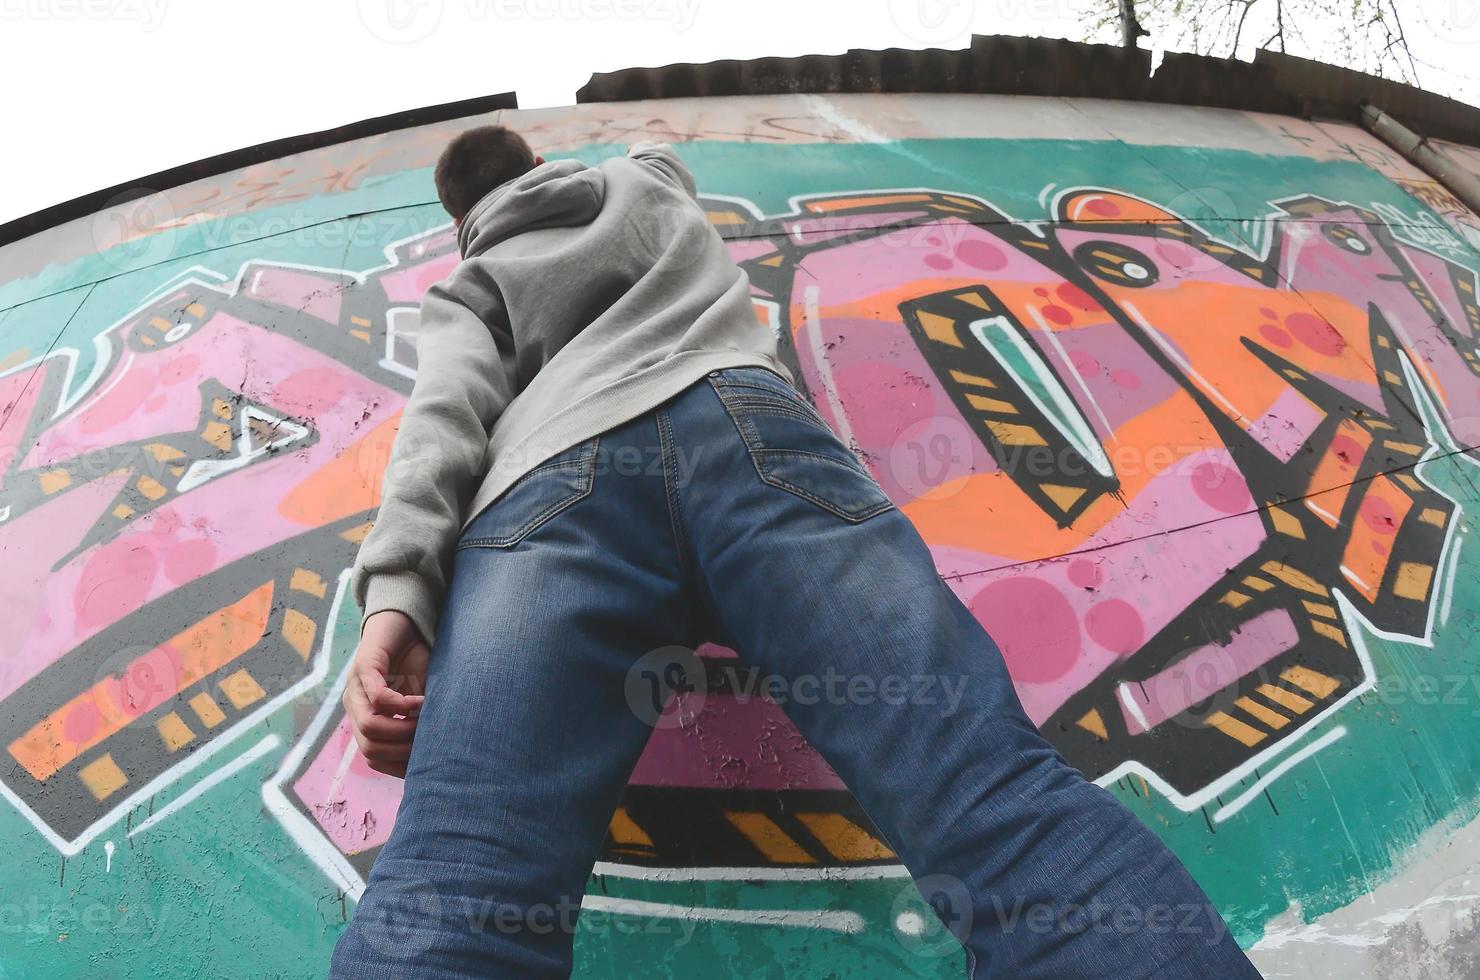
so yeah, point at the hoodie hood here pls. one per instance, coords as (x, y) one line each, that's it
(557, 193)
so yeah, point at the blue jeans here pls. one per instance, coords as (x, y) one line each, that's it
(733, 513)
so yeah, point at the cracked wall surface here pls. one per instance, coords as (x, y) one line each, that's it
(1185, 402)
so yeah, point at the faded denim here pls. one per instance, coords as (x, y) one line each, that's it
(738, 516)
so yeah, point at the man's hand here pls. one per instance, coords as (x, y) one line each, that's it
(387, 683)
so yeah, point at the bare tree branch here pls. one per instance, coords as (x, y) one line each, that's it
(1239, 31)
(1369, 35)
(1402, 40)
(1130, 27)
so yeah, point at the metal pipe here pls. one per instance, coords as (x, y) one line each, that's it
(1418, 151)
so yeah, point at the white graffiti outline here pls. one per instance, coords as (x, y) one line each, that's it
(319, 669)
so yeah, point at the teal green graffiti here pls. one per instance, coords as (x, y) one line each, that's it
(220, 889)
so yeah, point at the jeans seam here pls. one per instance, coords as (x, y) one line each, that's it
(586, 461)
(748, 435)
(756, 450)
(667, 451)
(741, 381)
(862, 515)
(766, 451)
(767, 407)
(782, 393)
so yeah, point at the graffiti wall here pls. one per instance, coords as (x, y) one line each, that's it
(1185, 402)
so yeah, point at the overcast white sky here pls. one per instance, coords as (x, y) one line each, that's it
(98, 92)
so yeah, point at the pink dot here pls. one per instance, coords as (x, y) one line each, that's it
(149, 680)
(1040, 291)
(309, 391)
(121, 402)
(1058, 315)
(427, 278)
(1316, 334)
(1103, 207)
(180, 367)
(1379, 515)
(82, 721)
(1268, 314)
(1275, 335)
(1034, 626)
(1380, 548)
(1116, 626)
(1085, 574)
(939, 262)
(187, 560)
(981, 255)
(934, 240)
(1126, 378)
(1084, 363)
(1221, 487)
(1348, 450)
(168, 523)
(890, 399)
(114, 583)
(1072, 295)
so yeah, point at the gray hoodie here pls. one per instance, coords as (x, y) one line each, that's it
(586, 296)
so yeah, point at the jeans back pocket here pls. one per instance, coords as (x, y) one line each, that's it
(534, 498)
(792, 446)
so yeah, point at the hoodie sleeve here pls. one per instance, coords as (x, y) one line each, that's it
(661, 158)
(436, 460)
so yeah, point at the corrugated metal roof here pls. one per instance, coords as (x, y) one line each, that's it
(1003, 65)
(997, 64)
(1013, 65)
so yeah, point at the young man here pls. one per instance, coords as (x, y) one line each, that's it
(602, 459)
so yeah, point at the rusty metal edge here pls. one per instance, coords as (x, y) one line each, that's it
(1005, 65)
(57, 214)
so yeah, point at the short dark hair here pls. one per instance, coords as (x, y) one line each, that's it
(476, 162)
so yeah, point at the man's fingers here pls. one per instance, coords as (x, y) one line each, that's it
(370, 684)
(382, 718)
(371, 681)
(379, 728)
(386, 701)
(397, 769)
(375, 751)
